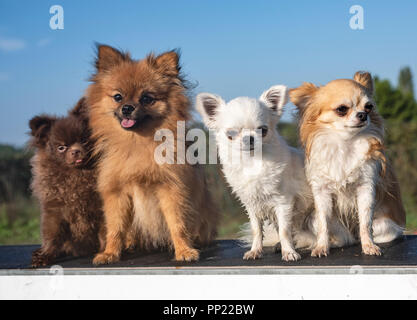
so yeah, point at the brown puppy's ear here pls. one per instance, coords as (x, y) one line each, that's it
(302, 95)
(40, 127)
(168, 63)
(365, 79)
(108, 57)
(80, 109)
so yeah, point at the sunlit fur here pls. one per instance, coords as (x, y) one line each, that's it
(146, 204)
(272, 188)
(346, 164)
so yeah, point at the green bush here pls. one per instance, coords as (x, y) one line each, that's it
(19, 222)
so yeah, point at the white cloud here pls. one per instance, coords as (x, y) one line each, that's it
(43, 42)
(9, 44)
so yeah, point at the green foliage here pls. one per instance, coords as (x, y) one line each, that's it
(405, 81)
(19, 214)
(399, 109)
(230, 208)
(19, 222)
(14, 173)
(393, 103)
(289, 132)
(402, 150)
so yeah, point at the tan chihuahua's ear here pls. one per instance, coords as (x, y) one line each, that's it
(365, 79)
(302, 95)
(108, 57)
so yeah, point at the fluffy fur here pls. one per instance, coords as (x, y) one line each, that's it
(272, 187)
(346, 166)
(145, 204)
(64, 181)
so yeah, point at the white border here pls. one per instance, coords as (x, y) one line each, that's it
(191, 287)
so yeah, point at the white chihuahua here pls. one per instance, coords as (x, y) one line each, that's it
(267, 175)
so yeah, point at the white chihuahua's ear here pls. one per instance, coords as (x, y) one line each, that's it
(207, 105)
(275, 98)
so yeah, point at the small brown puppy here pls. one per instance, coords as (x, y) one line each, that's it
(145, 203)
(64, 181)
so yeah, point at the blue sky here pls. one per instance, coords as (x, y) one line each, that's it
(231, 48)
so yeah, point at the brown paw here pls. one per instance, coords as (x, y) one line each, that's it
(130, 249)
(252, 255)
(39, 259)
(130, 245)
(187, 254)
(320, 251)
(371, 249)
(105, 258)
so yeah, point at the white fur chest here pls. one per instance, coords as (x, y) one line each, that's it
(255, 181)
(336, 163)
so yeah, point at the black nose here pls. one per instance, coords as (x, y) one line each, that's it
(249, 140)
(127, 109)
(362, 116)
(75, 152)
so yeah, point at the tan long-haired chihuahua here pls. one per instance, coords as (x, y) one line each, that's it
(145, 203)
(346, 166)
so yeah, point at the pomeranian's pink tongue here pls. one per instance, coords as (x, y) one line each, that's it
(128, 123)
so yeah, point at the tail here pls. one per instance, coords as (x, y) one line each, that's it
(386, 230)
(271, 237)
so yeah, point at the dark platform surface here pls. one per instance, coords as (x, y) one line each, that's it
(221, 256)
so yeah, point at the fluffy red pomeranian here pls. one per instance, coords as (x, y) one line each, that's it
(146, 204)
(64, 181)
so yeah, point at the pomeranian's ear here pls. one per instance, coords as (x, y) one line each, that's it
(365, 79)
(168, 63)
(275, 98)
(40, 127)
(207, 105)
(301, 96)
(108, 57)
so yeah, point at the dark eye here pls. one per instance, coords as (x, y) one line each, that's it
(369, 107)
(264, 130)
(342, 110)
(231, 134)
(62, 148)
(118, 97)
(146, 99)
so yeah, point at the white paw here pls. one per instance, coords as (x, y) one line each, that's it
(290, 256)
(252, 255)
(371, 249)
(320, 251)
